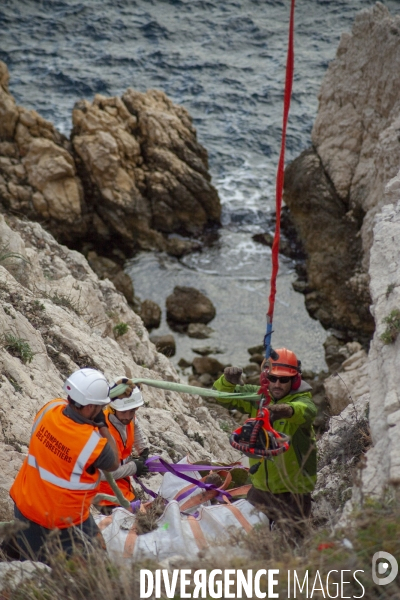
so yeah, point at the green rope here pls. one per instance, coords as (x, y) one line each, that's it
(111, 482)
(118, 390)
(191, 389)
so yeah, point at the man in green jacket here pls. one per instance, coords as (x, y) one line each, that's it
(281, 485)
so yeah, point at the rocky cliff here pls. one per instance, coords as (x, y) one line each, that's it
(344, 195)
(363, 438)
(57, 316)
(132, 173)
(335, 189)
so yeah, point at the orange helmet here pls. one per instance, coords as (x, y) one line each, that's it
(284, 362)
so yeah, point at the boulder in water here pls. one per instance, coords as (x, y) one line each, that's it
(188, 305)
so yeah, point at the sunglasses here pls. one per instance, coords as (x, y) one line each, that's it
(274, 379)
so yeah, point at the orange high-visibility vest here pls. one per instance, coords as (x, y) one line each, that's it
(53, 487)
(124, 451)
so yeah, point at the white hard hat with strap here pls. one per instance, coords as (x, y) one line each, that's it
(87, 386)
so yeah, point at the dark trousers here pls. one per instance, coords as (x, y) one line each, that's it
(285, 508)
(35, 541)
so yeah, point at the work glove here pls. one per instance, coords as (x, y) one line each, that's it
(234, 375)
(100, 420)
(141, 468)
(145, 453)
(280, 411)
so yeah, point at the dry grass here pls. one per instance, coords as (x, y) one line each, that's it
(89, 574)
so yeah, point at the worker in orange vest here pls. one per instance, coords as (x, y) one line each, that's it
(123, 425)
(70, 443)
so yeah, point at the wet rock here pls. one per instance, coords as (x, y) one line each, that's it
(150, 313)
(199, 331)
(256, 349)
(184, 364)
(252, 378)
(164, 344)
(257, 358)
(207, 364)
(178, 247)
(189, 305)
(252, 369)
(267, 239)
(206, 350)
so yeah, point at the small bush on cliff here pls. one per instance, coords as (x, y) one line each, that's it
(18, 347)
(393, 327)
(120, 329)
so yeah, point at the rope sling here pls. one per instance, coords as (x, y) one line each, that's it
(262, 441)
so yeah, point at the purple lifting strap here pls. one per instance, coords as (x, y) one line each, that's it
(156, 464)
(200, 484)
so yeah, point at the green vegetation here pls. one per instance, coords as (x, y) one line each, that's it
(15, 384)
(120, 329)
(66, 302)
(393, 327)
(390, 289)
(38, 306)
(18, 347)
(5, 254)
(225, 427)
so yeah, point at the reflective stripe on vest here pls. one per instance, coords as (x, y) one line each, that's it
(73, 483)
(46, 408)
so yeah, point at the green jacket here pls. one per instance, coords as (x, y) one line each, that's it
(295, 470)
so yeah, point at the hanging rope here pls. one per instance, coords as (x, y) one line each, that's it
(279, 182)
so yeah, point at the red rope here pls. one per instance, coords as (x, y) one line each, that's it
(281, 164)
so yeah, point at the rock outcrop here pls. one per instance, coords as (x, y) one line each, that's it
(132, 174)
(335, 189)
(364, 440)
(383, 464)
(188, 305)
(57, 316)
(37, 170)
(143, 170)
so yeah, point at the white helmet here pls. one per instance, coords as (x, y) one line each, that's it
(87, 386)
(122, 386)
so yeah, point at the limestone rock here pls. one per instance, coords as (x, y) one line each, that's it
(132, 172)
(355, 138)
(189, 305)
(58, 308)
(374, 384)
(383, 461)
(106, 268)
(37, 170)
(344, 388)
(143, 169)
